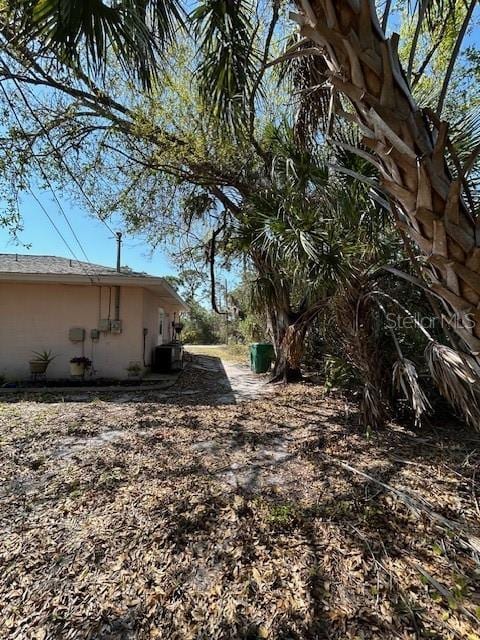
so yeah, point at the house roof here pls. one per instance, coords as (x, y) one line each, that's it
(16, 263)
(28, 268)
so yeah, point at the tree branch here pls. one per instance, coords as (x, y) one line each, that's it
(211, 260)
(454, 56)
(258, 81)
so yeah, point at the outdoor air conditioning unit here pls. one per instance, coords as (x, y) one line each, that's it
(167, 357)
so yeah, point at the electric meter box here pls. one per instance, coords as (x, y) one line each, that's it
(94, 334)
(76, 334)
(104, 324)
(116, 326)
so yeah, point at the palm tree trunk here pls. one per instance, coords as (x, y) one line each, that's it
(358, 339)
(411, 147)
(289, 341)
(289, 354)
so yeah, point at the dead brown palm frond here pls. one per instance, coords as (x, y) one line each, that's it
(372, 407)
(405, 379)
(457, 376)
(307, 75)
(356, 329)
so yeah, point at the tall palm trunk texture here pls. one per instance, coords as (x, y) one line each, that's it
(289, 341)
(354, 312)
(288, 330)
(409, 146)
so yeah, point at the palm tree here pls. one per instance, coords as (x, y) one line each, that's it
(307, 232)
(418, 165)
(133, 32)
(419, 168)
(87, 36)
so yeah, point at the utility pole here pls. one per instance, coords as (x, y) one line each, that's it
(119, 248)
(117, 289)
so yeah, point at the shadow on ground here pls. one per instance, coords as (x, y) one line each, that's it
(234, 521)
(204, 381)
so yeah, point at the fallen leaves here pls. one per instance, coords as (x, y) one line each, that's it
(161, 518)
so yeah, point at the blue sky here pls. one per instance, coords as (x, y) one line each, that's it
(96, 239)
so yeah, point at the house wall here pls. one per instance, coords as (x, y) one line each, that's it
(34, 317)
(151, 305)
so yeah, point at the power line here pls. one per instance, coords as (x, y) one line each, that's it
(60, 157)
(67, 220)
(55, 227)
(58, 230)
(45, 177)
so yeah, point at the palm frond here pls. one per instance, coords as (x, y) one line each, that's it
(430, 12)
(457, 376)
(405, 379)
(372, 407)
(464, 134)
(228, 58)
(87, 32)
(306, 75)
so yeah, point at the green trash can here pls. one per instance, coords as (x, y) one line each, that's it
(261, 356)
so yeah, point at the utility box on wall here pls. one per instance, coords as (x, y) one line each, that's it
(76, 334)
(104, 324)
(116, 326)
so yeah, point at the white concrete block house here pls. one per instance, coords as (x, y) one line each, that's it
(45, 300)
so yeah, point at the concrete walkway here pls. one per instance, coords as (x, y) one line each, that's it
(236, 383)
(224, 382)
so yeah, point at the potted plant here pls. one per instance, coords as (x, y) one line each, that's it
(79, 365)
(178, 328)
(134, 370)
(39, 364)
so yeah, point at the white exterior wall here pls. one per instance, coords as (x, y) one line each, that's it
(37, 317)
(151, 306)
(34, 317)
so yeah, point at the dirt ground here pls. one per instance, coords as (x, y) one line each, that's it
(178, 515)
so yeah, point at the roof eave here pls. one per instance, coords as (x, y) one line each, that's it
(98, 279)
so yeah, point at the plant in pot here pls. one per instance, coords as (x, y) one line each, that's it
(39, 364)
(79, 365)
(178, 328)
(134, 370)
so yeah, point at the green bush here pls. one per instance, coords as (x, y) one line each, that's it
(201, 326)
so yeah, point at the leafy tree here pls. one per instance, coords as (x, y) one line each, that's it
(343, 42)
(247, 322)
(344, 61)
(190, 283)
(200, 326)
